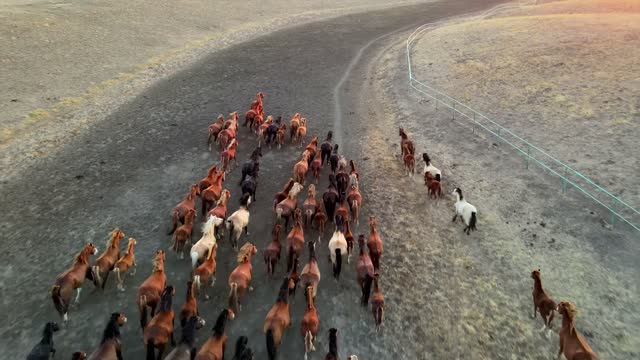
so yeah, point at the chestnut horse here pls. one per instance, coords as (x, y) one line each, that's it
(342, 211)
(229, 154)
(110, 345)
(294, 278)
(287, 206)
(283, 194)
(300, 169)
(311, 272)
(273, 250)
(295, 239)
(104, 264)
(221, 207)
(377, 298)
(374, 243)
(160, 329)
(316, 165)
(353, 170)
(125, 263)
(309, 324)
(294, 124)
(309, 205)
(190, 307)
(364, 270)
(409, 160)
(280, 135)
(184, 233)
(229, 131)
(206, 271)
(320, 220)
(207, 180)
(211, 194)
(240, 278)
(349, 237)
(72, 279)
(255, 111)
(149, 293)
(571, 343)
(433, 186)
(278, 319)
(404, 140)
(180, 211)
(214, 130)
(301, 134)
(214, 347)
(354, 198)
(542, 302)
(312, 148)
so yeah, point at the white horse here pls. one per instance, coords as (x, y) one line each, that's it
(337, 248)
(239, 221)
(465, 210)
(208, 240)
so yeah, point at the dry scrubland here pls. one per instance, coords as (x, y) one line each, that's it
(568, 83)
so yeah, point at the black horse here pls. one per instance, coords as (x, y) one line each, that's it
(334, 159)
(44, 349)
(272, 131)
(252, 166)
(325, 148)
(330, 197)
(249, 186)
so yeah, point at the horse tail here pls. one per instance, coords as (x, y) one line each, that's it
(151, 350)
(142, 306)
(290, 258)
(472, 221)
(272, 350)
(233, 298)
(58, 301)
(194, 259)
(97, 279)
(366, 289)
(308, 342)
(338, 265)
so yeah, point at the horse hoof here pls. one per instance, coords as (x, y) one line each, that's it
(207, 297)
(250, 288)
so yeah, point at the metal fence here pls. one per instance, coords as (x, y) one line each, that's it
(616, 207)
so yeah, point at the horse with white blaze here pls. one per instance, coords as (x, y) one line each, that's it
(239, 221)
(465, 210)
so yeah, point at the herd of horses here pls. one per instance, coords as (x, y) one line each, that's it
(340, 204)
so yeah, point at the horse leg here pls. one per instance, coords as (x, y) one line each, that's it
(104, 281)
(246, 230)
(161, 348)
(454, 218)
(77, 299)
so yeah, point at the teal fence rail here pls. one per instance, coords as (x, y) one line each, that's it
(617, 209)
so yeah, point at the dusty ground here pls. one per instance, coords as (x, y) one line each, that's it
(471, 295)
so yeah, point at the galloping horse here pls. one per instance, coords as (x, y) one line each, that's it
(180, 211)
(240, 278)
(294, 124)
(200, 249)
(309, 205)
(149, 293)
(211, 194)
(337, 248)
(364, 269)
(72, 279)
(221, 207)
(283, 194)
(311, 272)
(312, 149)
(184, 233)
(104, 264)
(287, 206)
(300, 169)
(354, 198)
(326, 147)
(190, 307)
(208, 180)
(278, 319)
(301, 134)
(333, 345)
(256, 111)
(252, 166)
(404, 140)
(295, 239)
(342, 181)
(571, 343)
(320, 219)
(229, 132)
(44, 350)
(160, 329)
(377, 299)
(186, 348)
(309, 325)
(229, 154)
(433, 186)
(214, 347)
(330, 197)
(349, 237)
(206, 271)
(125, 263)
(542, 302)
(110, 345)
(374, 243)
(273, 250)
(214, 130)
(316, 165)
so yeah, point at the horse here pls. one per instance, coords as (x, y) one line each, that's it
(316, 165)
(300, 169)
(206, 271)
(309, 205)
(104, 264)
(252, 166)
(466, 211)
(186, 348)
(255, 111)
(214, 130)
(110, 346)
(240, 278)
(273, 250)
(354, 199)
(286, 207)
(160, 329)
(542, 302)
(228, 133)
(180, 211)
(211, 194)
(377, 298)
(326, 147)
(125, 263)
(333, 345)
(72, 279)
(250, 185)
(309, 323)
(272, 131)
(571, 342)
(79, 355)
(301, 133)
(310, 274)
(229, 154)
(342, 210)
(214, 347)
(404, 140)
(45, 348)
(243, 352)
(428, 168)
(349, 237)
(149, 293)
(190, 307)
(209, 179)
(184, 233)
(320, 219)
(262, 129)
(334, 158)
(364, 269)
(294, 124)
(200, 249)
(337, 247)
(283, 194)
(342, 181)
(374, 243)
(239, 221)
(330, 197)
(353, 171)
(433, 186)
(221, 207)
(295, 239)
(280, 135)
(409, 159)
(278, 319)
(294, 278)
(312, 148)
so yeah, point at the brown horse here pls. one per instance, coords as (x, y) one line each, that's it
(283, 194)
(300, 169)
(295, 239)
(278, 319)
(221, 207)
(542, 302)
(214, 130)
(273, 250)
(240, 278)
(404, 140)
(309, 205)
(353, 170)
(312, 148)
(377, 298)
(110, 345)
(229, 154)
(214, 347)
(184, 233)
(79, 355)
(150, 291)
(287, 206)
(354, 199)
(262, 131)
(207, 180)
(294, 124)
(104, 264)
(280, 135)
(180, 211)
(309, 324)
(72, 279)
(409, 160)
(228, 132)
(433, 186)
(374, 243)
(311, 272)
(571, 343)
(342, 210)
(350, 240)
(125, 263)
(301, 133)
(364, 270)
(294, 278)
(316, 165)
(211, 194)
(320, 219)
(190, 307)
(206, 271)
(160, 329)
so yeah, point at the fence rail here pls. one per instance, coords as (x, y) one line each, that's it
(616, 207)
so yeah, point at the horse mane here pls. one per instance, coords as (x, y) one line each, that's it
(48, 331)
(112, 331)
(157, 263)
(329, 136)
(241, 346)
(112, 237)
(221, 323)
(283, 294)
(245, 253)
(83, 255)
(189, 331)
(166, 298)
(209, 226)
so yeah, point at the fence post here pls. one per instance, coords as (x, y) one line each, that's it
(564, 179)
